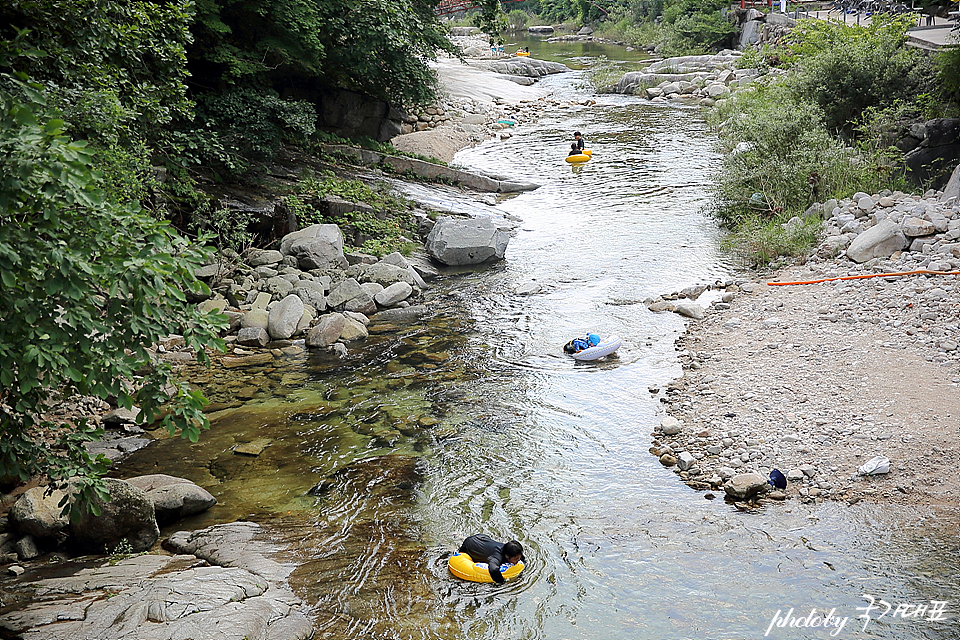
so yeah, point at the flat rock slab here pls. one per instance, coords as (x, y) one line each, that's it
(169, 597)
(253, 448)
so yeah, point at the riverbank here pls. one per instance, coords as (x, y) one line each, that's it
(818, 379)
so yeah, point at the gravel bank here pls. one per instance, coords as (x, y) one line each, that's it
(817, 379)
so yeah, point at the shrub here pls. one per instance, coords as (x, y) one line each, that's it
(782, 158)
(87, 287)
(846, 70)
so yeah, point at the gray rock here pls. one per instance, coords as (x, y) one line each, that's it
(464, 242)
(342, 293)
(312, 293)
(278, 287)
(688, 309)
(359, 317)
(268, 257)
(128, 516)
(27, 548)
(386, 274)
(744, 485)
(169, 597)
(879, 241)
(952, 189)
(319, 246)
(253, 337)
(396, 259)
(372, 288)
(327, 330)
(362, 303)
(352, 330)
(37, 513)
(393, 294)
(670, 426)
(685, 460)
(173, 498)
(284, 317)
(121, 415)
(913, 227)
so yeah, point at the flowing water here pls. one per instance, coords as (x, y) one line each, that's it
(477, 422)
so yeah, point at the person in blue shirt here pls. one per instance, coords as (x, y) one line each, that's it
(483, 548)
(579, 344)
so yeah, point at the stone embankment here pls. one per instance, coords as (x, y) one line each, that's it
(817, 379)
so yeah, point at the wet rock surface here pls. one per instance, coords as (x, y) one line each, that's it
(223, 583)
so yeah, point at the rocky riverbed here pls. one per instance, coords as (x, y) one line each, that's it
(818, 379)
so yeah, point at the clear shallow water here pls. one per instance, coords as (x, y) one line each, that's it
(477, 422)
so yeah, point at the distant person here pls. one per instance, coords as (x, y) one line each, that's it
(483, 548)
(574, 150)
(579, 344)
(580, 142)
(526, 49)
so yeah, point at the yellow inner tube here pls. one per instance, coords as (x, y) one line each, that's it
(580, 157)
(463, 566)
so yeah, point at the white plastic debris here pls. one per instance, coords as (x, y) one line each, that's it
(875, 466)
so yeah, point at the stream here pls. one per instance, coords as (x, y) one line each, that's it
(477, 422)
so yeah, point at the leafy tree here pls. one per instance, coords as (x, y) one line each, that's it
(948, 73)
(376, 47)
(110, 67)
(87, 286)
(696, 26)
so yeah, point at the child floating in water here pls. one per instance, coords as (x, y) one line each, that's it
(579, 344)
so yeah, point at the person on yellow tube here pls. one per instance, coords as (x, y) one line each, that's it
(482, 548)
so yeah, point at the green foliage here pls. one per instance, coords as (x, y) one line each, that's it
(696, 26)
(630, 28)
(517, 20)
(603, 75)
(948, 72)
(87, 286)
(759, 241)
(847, 71)
(249, 124)
(782, 158)
(104, 63)
(491, 19)
(380, 232)
(379, 47)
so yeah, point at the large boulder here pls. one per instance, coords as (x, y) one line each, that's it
(343, 293)
(879, 241)
(326, 331)
(284, 317)
(37, 513)
(319, 246)
(454, 242)
(386, 274)
(173, 498)
(952, 190)
(128, 517)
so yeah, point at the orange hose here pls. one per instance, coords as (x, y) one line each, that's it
(870, 275)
